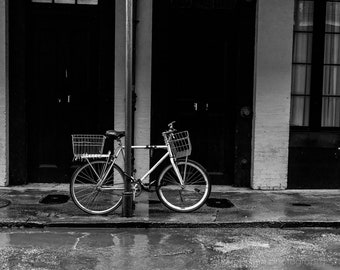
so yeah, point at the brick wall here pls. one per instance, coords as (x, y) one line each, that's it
(272, 87)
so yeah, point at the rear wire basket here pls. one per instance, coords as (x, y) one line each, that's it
(87, 146)
(180, 144)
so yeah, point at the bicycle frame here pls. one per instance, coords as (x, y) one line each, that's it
(119, 151)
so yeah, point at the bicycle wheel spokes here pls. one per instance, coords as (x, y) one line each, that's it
(191, 195)
(93, 198)
(171, 181)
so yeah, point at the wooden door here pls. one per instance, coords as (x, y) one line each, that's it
(194, 83)
(64, 96)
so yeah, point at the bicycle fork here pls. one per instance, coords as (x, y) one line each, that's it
(178, 173)
(101, 175)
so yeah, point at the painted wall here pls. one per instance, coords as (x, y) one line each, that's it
(272, 88)
(143, 84)
(119, 109)
(3, 93)
(142, 78)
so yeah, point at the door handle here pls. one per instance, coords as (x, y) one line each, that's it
(68, 100)
(206, 108)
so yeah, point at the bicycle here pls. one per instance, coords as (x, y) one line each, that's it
(97, 186)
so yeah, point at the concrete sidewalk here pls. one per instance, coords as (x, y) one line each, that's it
(227, 207)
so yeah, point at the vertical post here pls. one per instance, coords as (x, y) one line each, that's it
(127, 206)
(4, 138)
(272, 87)
(143, 57)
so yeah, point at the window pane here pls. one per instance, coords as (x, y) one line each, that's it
(301, 79)
(330, 112)
(65, 1)
(87, 2)
(303, 47)
(42, 1)
(300, 111)
(332, 49)
(304, 16)
(331, 80)
(333, 16)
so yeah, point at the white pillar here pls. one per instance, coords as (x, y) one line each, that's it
(4, 163)
(272, 88)
(119, 102)
(143, 83)
(119, 111)
(143, 78)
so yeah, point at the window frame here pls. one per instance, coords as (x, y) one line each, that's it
(317, 68)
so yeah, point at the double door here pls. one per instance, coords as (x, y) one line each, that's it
(64, 90)
(194, 83)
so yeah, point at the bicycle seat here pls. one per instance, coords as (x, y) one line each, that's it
(115, 134)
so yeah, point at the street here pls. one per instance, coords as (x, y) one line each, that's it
(170, 248)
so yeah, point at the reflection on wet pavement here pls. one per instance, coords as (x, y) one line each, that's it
(166, 248)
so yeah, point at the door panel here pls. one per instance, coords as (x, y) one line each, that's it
(193, 51)
(64, 95)
(44, 99)
(314, 161)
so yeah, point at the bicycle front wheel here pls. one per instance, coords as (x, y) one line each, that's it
(93, 198)
(189, 197)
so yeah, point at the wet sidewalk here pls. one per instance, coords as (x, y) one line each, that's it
(227, 207)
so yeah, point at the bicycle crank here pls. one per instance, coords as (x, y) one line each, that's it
(137, 188)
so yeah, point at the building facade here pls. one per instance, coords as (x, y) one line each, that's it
(254, 82)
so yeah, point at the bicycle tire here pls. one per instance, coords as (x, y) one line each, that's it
(93, 200)
(192, 195)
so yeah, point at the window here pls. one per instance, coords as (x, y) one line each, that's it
(316, 65)
(302, 59)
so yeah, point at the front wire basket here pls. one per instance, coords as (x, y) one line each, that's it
(180, 144)
(88, 146)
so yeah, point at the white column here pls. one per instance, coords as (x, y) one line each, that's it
(119, 106)
(4, 163)
(272, 88)
(142, 79)
(119, 111)
(143, 83)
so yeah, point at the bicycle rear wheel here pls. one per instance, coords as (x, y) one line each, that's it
(192, 195)
(95, 199)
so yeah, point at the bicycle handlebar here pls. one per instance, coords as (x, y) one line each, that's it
(171, 125)
(171, 128)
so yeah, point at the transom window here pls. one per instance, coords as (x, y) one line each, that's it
(79, 2)
(316, 64)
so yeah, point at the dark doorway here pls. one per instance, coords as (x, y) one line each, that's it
(70, 86)
(197, 65)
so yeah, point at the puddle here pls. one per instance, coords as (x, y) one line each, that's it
(301, 204)
(219, 203)
(54, 199)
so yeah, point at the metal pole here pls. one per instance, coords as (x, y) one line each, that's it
(127, 204)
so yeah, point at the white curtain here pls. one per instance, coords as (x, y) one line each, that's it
(331, 76)
(302, 56)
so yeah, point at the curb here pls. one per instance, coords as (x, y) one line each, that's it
(146, 225)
